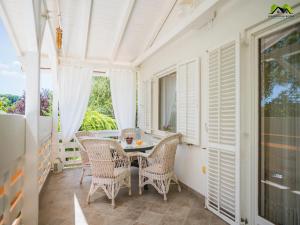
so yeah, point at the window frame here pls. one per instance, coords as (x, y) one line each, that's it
(173, 73)
(156, 95)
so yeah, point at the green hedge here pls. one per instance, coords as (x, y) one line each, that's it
(94, 120)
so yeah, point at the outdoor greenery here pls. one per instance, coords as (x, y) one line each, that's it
(281, 83)
(94, 120)
(100, 98)
(16, 104)
(99, 115)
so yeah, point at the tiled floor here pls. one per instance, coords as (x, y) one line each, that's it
(62, 195)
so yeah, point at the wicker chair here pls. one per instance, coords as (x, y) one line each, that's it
(131, 132)
(79, 136)
(157, 168)
(110, 167)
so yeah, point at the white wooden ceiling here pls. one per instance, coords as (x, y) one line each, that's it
(114, 31)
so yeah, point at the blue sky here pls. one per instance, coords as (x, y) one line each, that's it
(12, 79)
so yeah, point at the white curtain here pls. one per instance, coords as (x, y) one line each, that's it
(123, 93)
(74, 87)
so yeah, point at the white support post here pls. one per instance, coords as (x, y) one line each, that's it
(55, 149)
(31, 62)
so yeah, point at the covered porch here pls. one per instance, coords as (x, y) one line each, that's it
(209, 70)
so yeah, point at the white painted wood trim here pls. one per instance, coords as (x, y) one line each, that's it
(86, 28)
(10, 29)
(32, 113)
(160, 25)
(102, 65)
(165, 72)
(251, 37)
(238, 129)
(122, 29)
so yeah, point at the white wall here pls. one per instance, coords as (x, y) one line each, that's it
(12, 139)
(232, 18)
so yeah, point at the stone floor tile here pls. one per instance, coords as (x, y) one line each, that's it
(171, 220)
(57, 204)
(150, 218)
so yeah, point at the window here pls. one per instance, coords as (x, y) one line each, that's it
(279, 130)
(167, 103)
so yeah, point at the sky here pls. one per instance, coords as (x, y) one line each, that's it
(12, 79)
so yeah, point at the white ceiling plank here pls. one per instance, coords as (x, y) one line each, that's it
(52, 44)
(10, 29)
(123, 25)
(35, 13)
(182, 27)
(86, 28)
(50, 31)
(160, 24)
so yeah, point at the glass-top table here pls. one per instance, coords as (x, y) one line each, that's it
(137, 148)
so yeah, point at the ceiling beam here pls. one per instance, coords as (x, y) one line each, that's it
(122, 29)
(10, 29)
(96, 64)
(49, 33)
(86, 28)
(200, 15)
(160, 24)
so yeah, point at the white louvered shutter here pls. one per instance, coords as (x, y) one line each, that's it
(142, 105)
(188, 101)
(223, 133)
(181, 84)
(148, 114)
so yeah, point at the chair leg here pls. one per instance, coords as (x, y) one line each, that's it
(90, 193)
(165, 197)
(113, 196)
(164, 188)
(129, 185)
(140, 186)
(82, 175)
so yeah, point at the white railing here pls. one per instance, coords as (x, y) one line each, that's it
(12, 143)
(11, 193)
(44, 165)
(69, 152)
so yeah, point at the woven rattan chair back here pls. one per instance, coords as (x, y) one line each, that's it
(103, 155)
(131, 132)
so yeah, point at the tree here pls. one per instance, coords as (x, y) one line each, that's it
(281, 77)
(19, 106)
(100, 98)
(4, 103)
(46, 102)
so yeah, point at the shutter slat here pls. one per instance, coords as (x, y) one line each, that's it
(188, 101)
(222, 133)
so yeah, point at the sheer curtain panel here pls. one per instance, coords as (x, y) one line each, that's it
(123, 93)
(74, 84)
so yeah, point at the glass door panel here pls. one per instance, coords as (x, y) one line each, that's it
(279, 127)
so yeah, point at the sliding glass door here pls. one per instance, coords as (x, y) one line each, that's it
(279, 127)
